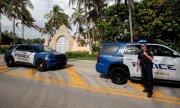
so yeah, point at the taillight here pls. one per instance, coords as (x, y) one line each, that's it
(98, 57)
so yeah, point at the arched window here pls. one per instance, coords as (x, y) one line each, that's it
(62, 45)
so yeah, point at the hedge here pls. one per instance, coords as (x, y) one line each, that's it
(3, 48)
(82, 55)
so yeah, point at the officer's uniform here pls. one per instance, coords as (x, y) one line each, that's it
(146, 69)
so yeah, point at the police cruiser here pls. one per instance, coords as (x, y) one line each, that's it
(39, 56)
(119, 61)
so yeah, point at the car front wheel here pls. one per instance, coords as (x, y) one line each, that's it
(41, 65)
(10, 61)
(118, 75)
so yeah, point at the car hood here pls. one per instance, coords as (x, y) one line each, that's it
(51, 53)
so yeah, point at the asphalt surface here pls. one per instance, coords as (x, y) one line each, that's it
(77, 85)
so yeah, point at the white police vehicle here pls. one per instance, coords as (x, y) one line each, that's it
(119, 61)
(39, 56)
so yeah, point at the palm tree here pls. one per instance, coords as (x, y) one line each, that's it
(47, 30)
(3, 5)
(17, 10)
(26, 18)
(97, 6)
(57, 17)
(13, 11)
(1, 11)
(84, 2)
(78, 19)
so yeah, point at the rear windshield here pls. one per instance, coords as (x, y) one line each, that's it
(109, 49)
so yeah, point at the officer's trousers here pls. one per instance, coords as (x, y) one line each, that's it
(147, 77)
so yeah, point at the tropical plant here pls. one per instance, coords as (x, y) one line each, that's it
(57, 17)
(78, 19)
(26, 18)
(16, 10)
(95, 7)
(111, 24)
(47, 30)
(157, 22)
(84, 3)
(3, 6)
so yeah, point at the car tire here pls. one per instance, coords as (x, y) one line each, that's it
(118, 75)
(41, 65)
(10, 61)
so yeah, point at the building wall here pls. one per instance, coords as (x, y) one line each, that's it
(72, 43)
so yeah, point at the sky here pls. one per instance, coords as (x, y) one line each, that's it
(41, 7)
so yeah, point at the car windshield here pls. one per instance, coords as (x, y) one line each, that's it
(42, 48)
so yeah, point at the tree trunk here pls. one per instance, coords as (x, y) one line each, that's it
(23, 32)
(88, 34)
(0, 32)
(14, 31)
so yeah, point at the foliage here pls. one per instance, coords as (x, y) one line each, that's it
(17, 10)
(3, 48)
(78, 20)
(56, 18)
(82, 55)
(111, 23)
(157, 22)
(7, 39)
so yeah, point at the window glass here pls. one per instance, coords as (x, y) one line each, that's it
(160, 50)
(109, 49)
(29, 48)
(132, 49)
(41, 48)
(21, 48)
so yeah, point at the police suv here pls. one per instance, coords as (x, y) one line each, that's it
(39, 56)
(119, 61)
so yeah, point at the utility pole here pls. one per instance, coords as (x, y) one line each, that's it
(130, 21)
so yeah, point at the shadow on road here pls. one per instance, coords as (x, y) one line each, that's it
(104, 76)
(171, 84)
(61, 67)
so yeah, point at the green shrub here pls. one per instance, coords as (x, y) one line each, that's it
(82, 55)
(3, 48)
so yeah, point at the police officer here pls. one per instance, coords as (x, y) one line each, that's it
(145, 58)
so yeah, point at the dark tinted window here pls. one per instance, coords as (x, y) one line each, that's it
(132, 49)
(29, 48)
(160, 50)
(21, 48)
(109, 49)
(41, 48)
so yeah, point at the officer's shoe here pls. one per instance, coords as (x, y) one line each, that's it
(145, 90)
(149, 95)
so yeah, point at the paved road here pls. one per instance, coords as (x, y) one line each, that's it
(77, 85)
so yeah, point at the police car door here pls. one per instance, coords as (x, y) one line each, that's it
(30, 52)
(23, 54)
(166, 64)
(18, 53)
(130, 59)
